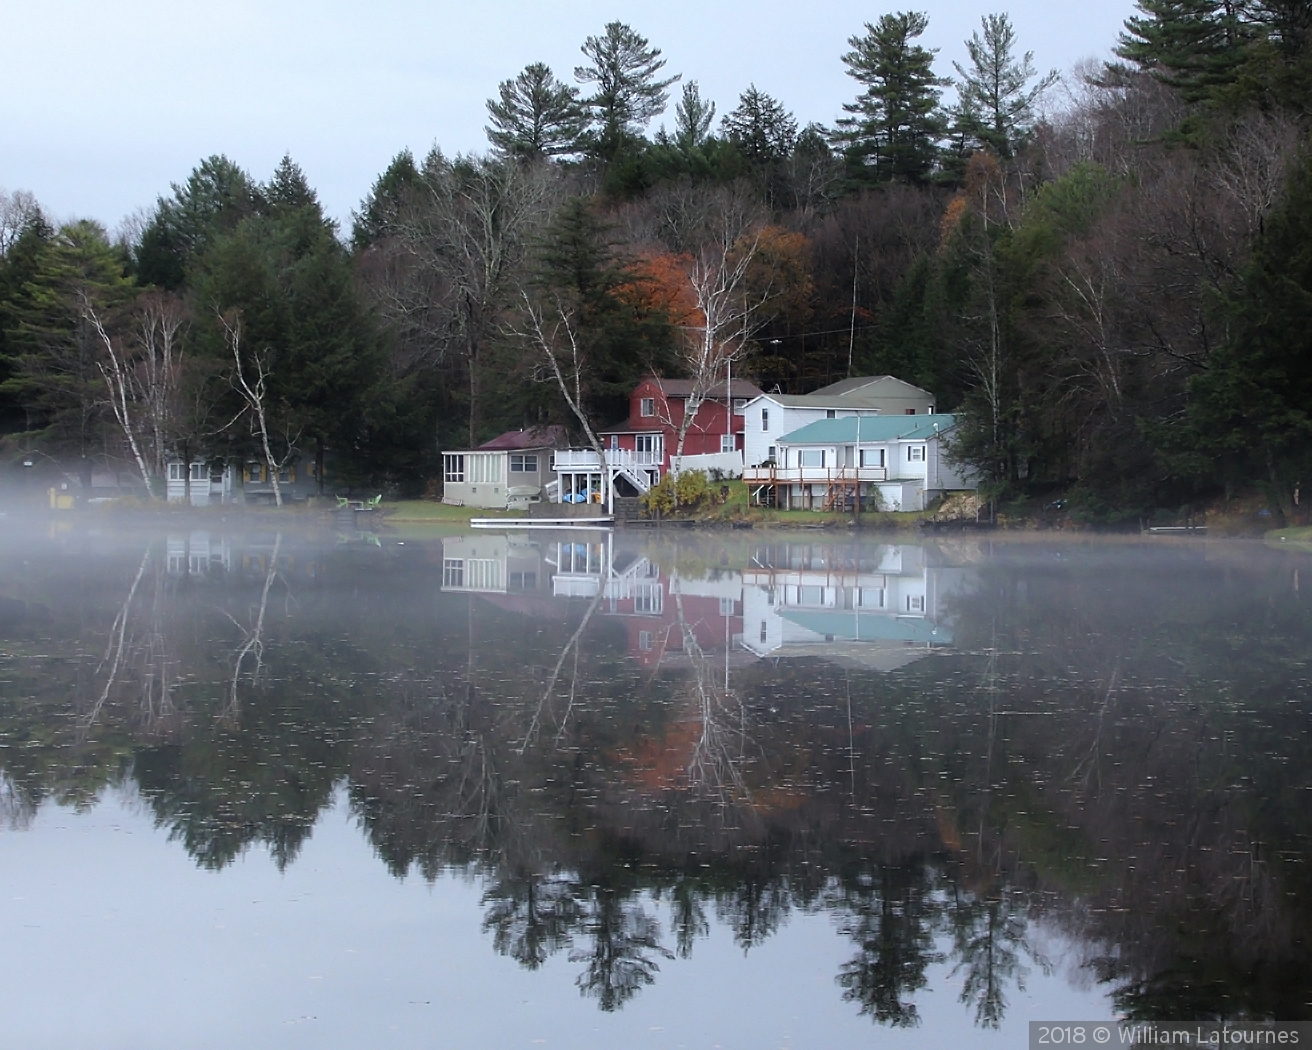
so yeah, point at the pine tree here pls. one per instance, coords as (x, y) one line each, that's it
(760, 127)
(996, 94)
(535, 116)
(692, 118)
(1195, 46)
(895, 124)
(628, 92)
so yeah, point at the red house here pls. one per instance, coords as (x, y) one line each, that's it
(656, 412)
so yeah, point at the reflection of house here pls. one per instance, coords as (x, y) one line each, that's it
(768, 416)
(507, 471)
(882, 611)
(493, 563)
(823, 465)
(198, 554)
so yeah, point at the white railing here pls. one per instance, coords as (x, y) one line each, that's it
(812, 475)
(620, 458)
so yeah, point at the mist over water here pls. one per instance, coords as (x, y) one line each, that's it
(285, 788)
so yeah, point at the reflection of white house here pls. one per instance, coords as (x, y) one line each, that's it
(198, 554)
(769, 416)
(823, 465)
(492, 563)
(883, 613)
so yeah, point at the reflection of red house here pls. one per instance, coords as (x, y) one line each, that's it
(656, 411)
(651, 616)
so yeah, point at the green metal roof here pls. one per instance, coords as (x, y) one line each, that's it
(872, 428)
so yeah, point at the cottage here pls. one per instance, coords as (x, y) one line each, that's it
(770, 415)
(508, 471)
(828, 464)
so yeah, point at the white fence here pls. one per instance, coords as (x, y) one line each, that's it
(577, 459)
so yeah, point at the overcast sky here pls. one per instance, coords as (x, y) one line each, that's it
(103, 105)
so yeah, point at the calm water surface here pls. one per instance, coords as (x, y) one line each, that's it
(583, 790)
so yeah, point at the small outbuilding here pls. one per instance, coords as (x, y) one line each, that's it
(508, 471)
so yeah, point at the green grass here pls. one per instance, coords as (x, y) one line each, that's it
(1298, 538)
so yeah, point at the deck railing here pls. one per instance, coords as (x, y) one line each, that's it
(812, 475)
(587, 459)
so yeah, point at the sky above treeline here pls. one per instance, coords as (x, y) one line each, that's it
(103, 105)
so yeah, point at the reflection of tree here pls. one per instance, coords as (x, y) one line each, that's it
(530, 916)
(754, 908)
(988, 937)
(624, 937)
(715, 765)
(689, 915)
(891, 916)
(253, 637)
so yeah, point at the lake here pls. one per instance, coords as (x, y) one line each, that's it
(646, 789)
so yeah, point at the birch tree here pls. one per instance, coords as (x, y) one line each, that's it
(250, 376)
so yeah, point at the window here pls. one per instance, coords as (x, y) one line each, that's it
(727, 606)
(872, 457)
(644, 641)
(523, 581)
(830, 413)
(523, 464)
(175, 471)
(911, 411)
(255, 473)
(648, 598)
(484, 467)
(915, 603)
(764, 631)
(648, 448)
(739, 403)
(811, 457)
(647, 407)
(765, 421)
(770, 454)
(916, 453)
(453, 469)
(453, 569)
(728, 443)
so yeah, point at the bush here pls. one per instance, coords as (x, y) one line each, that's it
(688, 491)
(692, 489)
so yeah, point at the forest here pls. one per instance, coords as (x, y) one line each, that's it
(1107, 273)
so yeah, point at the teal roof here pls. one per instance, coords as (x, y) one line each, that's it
(873, 428)
(869, 627)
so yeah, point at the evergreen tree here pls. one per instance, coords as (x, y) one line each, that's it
(895, 123)
(628, 91)
(760, 127)
(996, 94)
(535, 116)
(216, 196)
(1194, 46)
(378, 211)
(692, 118)
(1250, 412)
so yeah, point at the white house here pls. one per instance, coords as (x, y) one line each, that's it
(210, 483)
(768, 416)
(825, 464)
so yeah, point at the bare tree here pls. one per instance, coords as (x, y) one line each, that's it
(116, 371)
(254, 392)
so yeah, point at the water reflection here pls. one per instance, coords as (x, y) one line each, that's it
(943, 747)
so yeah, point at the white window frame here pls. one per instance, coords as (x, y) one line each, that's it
(647, 407)
(728, 443)
(453, 469)
(523, 463)
(915, 453)
(868, 454)
(765, 421)
(805, 456)
(739, 403)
